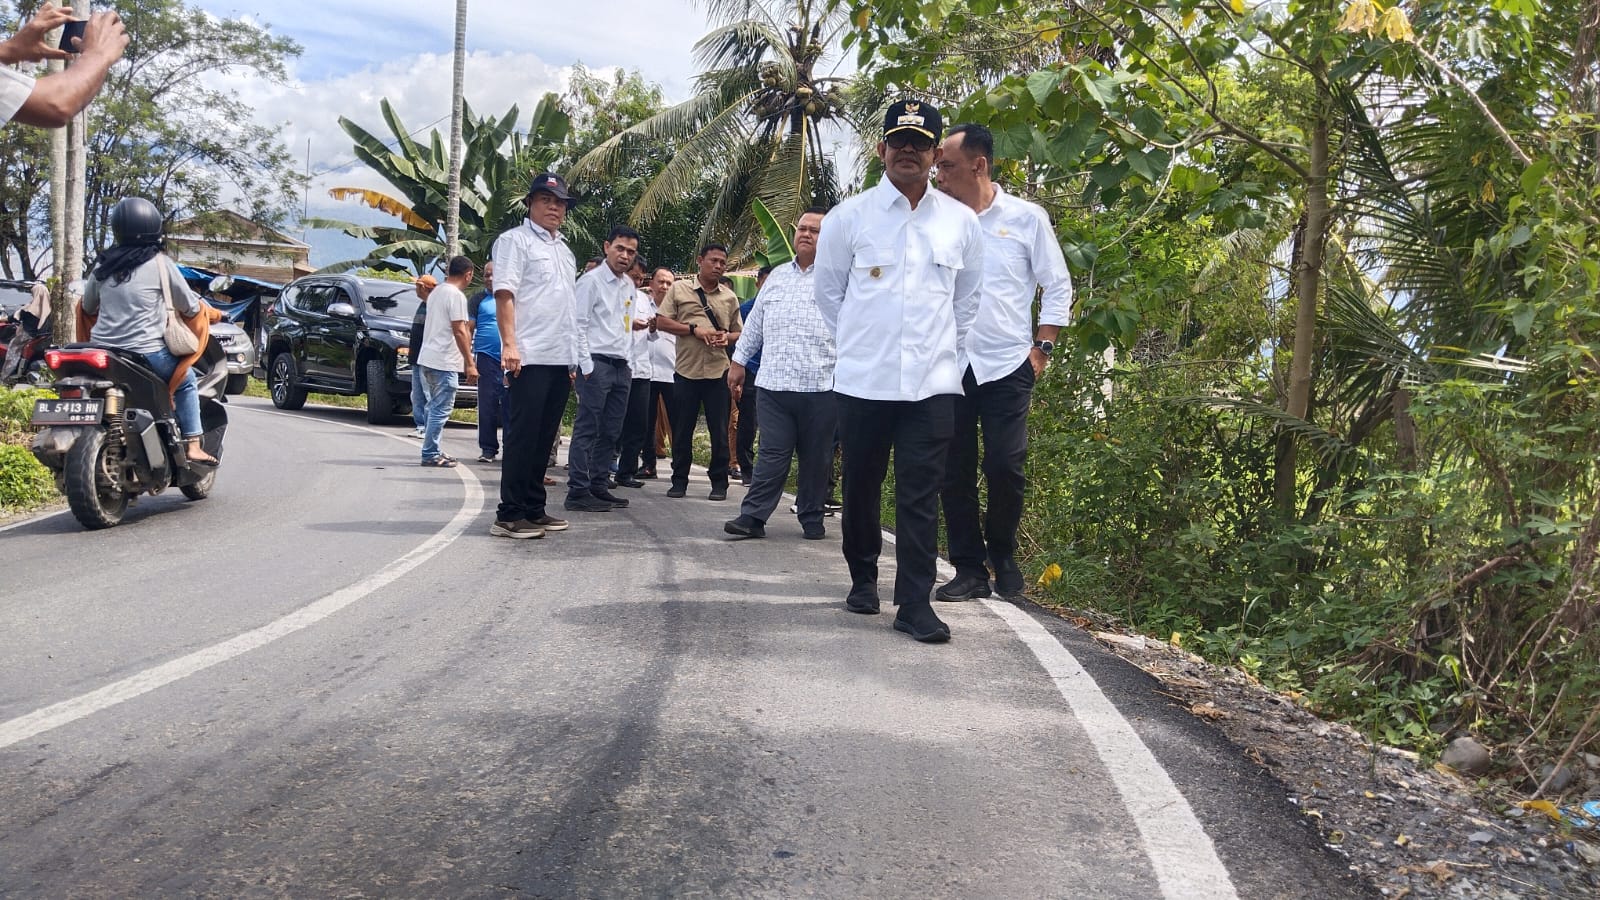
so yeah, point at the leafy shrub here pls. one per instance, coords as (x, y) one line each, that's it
(24, 482)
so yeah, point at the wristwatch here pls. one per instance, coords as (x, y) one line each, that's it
(692, 328)
(1045, 347)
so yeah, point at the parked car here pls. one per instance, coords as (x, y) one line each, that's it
(241, 354)
(340, 334)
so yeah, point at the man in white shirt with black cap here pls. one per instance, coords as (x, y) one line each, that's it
(1005, 354)
(897, 276)
(536, 309)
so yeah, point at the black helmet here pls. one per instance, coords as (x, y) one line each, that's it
(136, 221)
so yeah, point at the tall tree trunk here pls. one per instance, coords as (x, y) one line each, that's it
(1308, 286)
(63, 327)
(73, 224)
(452, 239)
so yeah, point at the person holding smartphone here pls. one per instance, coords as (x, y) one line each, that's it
(52, 101)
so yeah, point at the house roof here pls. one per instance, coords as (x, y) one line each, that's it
(224, 226)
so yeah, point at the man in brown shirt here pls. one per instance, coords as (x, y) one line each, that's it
(704, 314)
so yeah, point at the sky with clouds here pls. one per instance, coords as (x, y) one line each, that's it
(356, 52)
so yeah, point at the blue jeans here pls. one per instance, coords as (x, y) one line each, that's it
(494, 403)
(439, 389)
(186, 402)
(419, 401)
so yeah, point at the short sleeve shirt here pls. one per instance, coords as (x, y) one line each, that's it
(15, 88)
(682, 305)
(446, 306)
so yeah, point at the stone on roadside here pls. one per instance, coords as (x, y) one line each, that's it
(1562, 779)
(1466, 755)
(1481, 837)
(1589, 853)
(1591, 760)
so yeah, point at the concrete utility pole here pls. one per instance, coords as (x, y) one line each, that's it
(452, 228)
(62, 325)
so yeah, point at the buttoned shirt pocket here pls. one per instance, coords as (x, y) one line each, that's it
(947, 261)
(875, 266)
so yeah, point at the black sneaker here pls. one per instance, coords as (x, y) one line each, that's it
(521, 529)
(863, 599)
(815, 532)
(587, 503)
(1008, 579)
(718, 493)
(963, 587)
(745, 526)
(550, 523)
(677, 491)
(618, 502)
(919, 621)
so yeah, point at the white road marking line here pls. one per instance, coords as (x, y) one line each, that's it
(1185, 860)
(68, 711)
(32, 519)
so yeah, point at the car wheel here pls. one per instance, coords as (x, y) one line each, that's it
(280, 381)
(237, 383)
(380, 399)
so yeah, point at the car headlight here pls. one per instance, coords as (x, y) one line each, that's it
(399, 335)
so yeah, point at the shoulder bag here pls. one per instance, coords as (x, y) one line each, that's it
(179, 338)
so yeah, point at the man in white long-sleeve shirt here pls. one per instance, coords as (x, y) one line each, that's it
(605, 341)
(897, 276)
(1004, 354)
(534, 308)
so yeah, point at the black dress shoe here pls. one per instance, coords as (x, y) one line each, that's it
(815, 532)
(606, 496)
(718, 493)
(748, 479)
(919, 621)
(587, 503)
(745, 526)
(963, 587)
(863, 599)
(677, 491)
(629, 482)
(1008, 579)
(647, 474)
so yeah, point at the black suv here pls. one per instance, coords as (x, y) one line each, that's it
(340, 334)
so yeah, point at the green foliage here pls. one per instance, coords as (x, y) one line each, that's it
(24, 483)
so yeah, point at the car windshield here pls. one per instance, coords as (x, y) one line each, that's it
(393, 299)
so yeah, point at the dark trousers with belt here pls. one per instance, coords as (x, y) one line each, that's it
(793, 423)
(918, 432)
(635, 429)
(693, 395)
(538, 397)
(1000, 410)
(744, 441)
(660, 409)
(602, 406)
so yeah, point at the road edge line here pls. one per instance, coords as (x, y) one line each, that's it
(65, 712)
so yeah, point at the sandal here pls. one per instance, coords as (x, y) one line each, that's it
(440, 462)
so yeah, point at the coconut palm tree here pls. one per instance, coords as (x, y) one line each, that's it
(452, 231)
(764, 99)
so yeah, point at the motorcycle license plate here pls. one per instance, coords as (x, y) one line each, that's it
(68, 412)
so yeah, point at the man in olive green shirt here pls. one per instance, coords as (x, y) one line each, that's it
(704, 314)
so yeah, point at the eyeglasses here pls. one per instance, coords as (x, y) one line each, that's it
(902, 139)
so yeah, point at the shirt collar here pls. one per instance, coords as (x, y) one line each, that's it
(794, 264)
(543, 234)
(999, 200)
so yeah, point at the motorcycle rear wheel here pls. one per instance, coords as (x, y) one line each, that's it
(200, 489)
(94, 505)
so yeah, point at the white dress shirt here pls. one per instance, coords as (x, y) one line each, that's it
(15, 89)
(663, 353)
(539, 271)
(1020, 254)
(898, 288)
(605, 316)
(785, 327)
(639, 360)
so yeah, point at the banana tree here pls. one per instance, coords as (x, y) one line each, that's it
(496, 165)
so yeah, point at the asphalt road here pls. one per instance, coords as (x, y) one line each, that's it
(328, 680)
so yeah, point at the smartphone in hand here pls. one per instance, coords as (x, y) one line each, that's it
(72, 35)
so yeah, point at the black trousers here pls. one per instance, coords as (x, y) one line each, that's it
(661, 395)
(745, 431)
(1000, 409)
(918, 433)
(538, 397)
(635, 428)
(693, 395)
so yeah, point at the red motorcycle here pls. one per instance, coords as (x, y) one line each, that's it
(28, 341)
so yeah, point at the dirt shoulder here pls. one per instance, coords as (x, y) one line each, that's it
(1410, 829)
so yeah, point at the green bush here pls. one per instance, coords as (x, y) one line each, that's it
(24, 483)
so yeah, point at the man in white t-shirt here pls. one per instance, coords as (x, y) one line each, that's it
(52, 101)
(446, 351)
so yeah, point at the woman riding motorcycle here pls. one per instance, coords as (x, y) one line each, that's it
(124, 291)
